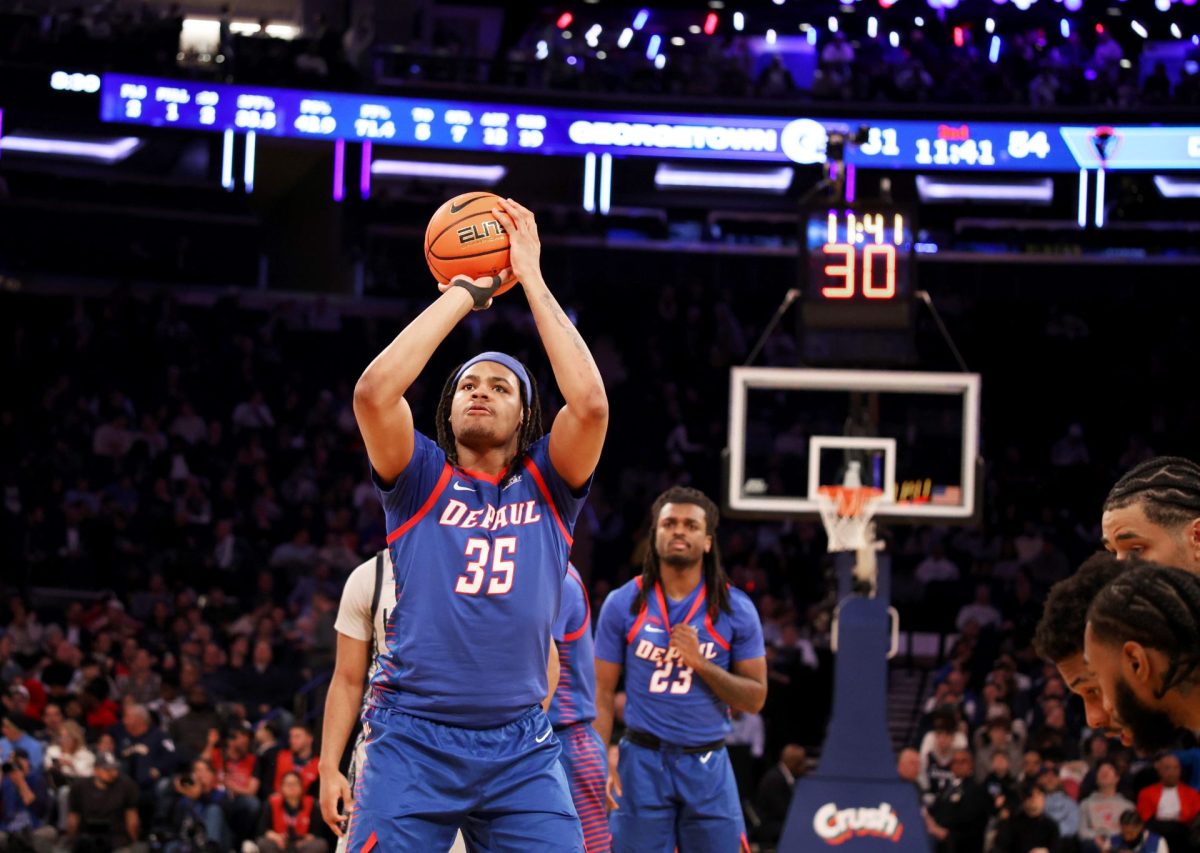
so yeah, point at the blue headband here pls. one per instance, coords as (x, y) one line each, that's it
(509, 362)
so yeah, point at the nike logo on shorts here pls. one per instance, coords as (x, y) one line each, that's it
(459, 487)
(704, 758)
(542, 739)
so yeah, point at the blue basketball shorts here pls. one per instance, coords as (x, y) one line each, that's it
(674, 800)
(421, 781)
(585, 761)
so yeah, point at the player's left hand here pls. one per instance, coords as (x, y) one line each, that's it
(524, 245)
(686, 640)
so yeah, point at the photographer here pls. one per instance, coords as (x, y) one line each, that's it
(24, 804)
(199, 814)
(103, 811)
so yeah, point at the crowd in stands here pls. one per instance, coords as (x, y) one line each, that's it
(184, 493)
(1037, 65)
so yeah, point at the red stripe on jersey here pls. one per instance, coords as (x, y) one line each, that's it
(370, 845)
(721, 641)
(662, 605)
(587, 609)
(637, 624)
(541, 484)
(425, 507)
(494, 479)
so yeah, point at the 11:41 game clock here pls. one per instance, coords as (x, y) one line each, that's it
(858, 253)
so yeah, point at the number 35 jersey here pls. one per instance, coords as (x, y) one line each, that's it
(478, 567)
(664, 697)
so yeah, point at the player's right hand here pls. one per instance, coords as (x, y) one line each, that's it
(334, 787)
(612, 787)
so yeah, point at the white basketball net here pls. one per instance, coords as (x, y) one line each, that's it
(849, 518)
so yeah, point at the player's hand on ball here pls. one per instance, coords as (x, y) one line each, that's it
(481, 289)
(524, 245)
(334, 787)
(686, 640)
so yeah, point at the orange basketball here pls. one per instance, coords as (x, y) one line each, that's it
(464, 237)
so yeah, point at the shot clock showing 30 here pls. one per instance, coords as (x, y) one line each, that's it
(859, 253)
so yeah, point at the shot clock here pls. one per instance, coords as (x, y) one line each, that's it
(857, 265)
(858, 253)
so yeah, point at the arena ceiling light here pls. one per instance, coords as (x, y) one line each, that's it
(106, 151)
(940, 189)
(1169, 187)
(776, 180)
(465, 172)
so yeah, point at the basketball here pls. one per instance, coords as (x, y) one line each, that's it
(464, 237)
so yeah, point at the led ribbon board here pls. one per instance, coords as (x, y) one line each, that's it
(978, 146)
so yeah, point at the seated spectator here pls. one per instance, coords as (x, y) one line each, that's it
(101, 713)
(999, 741)
(240, 780)
(299, 757)
(141, 683)
(1059, 806)
(1028, 829)
(908, 767)
(288, 819)
(980, 611)
(958, 816)
(774, 796)
(190, 732)
(1000, 785)
(15, 737)
(68, 757)
(937, 754)
(1135, 838)
(24, 805)
(103, 811)
(1169, 807)
(936, 567)
(1052, 738)
(1100, 812)
(147, 753)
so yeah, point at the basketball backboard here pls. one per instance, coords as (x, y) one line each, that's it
(910, 434)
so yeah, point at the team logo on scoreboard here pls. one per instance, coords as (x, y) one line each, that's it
(835, 826)
(804, 141)
(1106, 142)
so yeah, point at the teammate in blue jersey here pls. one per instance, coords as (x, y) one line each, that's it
(479, 528)
(691, 648)
(572, 710)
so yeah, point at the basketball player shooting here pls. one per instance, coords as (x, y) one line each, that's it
(479, 525)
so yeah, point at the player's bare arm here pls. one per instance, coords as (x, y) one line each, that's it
(607, 676)
(745, 688)
(341, 710)
(553, 673)
(382, 413)
(577, 435)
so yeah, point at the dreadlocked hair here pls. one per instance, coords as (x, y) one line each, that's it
(1168, 487)
(1059, 634)
(1159, 608)
(529, 431)
(716, 582)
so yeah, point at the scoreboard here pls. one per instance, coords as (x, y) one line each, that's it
(948, 143)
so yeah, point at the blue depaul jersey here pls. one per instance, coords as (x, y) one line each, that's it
(664, 697)
(478, 568)
(575, 699)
